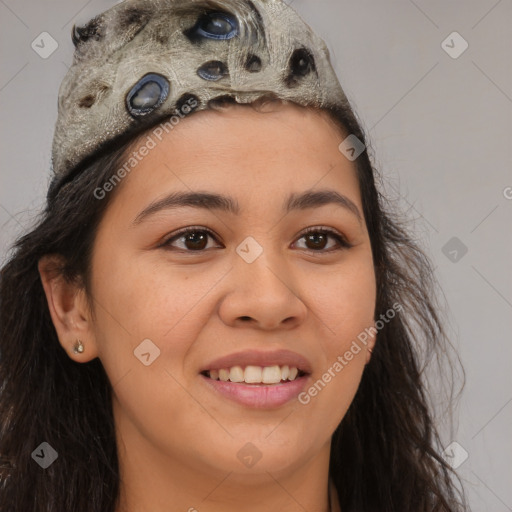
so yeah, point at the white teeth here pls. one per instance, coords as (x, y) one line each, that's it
(252, 374)
(271, 375)
(236, 374)
(255, 374)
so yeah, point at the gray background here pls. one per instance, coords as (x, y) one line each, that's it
(441, 131)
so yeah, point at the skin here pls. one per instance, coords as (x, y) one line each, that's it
(178, 440)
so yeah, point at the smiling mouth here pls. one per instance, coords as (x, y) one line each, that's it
(267, 375)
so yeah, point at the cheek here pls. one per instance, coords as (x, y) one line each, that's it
(345, 305)
(345, 298)
(148, 298)
(137, 302)
(127, 291)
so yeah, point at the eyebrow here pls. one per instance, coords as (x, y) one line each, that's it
(210, 201)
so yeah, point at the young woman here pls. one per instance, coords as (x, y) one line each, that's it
(217, 310)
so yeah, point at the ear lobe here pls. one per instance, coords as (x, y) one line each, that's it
(68, 308)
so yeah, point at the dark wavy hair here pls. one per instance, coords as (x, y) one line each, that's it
(385, 454)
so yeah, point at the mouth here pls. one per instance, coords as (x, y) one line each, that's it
(258, 379)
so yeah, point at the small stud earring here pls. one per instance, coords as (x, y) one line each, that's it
(79, 347)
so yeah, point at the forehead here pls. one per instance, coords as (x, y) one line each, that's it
(246, 152)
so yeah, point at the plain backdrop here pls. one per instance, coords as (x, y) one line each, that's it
(439, 118)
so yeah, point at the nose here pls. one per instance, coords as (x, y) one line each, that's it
(262, 294)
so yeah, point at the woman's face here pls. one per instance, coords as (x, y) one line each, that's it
(246, 284)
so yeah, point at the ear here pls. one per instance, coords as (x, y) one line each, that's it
(69, 309)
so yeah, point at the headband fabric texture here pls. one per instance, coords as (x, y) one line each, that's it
(143, 61)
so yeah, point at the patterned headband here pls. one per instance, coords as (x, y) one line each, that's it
(143, 61)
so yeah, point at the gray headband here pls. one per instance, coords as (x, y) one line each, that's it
(144, 60)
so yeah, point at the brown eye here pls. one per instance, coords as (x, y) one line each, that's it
(196, 241)
(317, 239)
(192, 239)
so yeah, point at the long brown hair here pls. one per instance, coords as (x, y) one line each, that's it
(385, 454)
